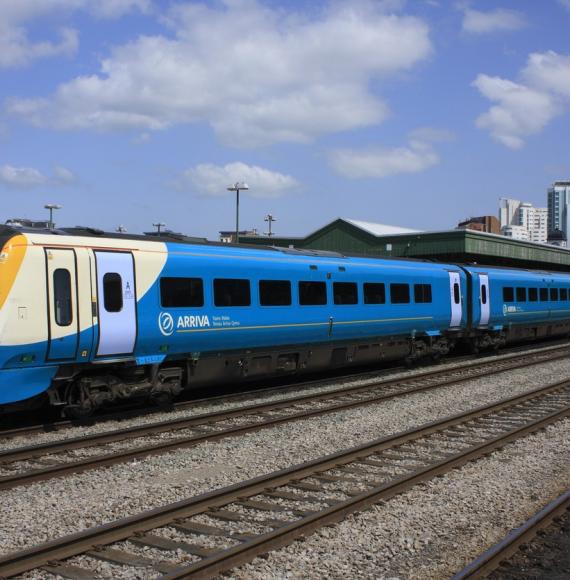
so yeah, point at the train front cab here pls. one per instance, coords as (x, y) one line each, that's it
(60, 306)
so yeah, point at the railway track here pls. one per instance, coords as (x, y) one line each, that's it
(491, 559)
(24, 465)
(211, 533)
(129, 413)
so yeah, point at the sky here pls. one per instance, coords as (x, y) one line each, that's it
(417, 114)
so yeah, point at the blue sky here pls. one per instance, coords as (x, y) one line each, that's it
(417, 114)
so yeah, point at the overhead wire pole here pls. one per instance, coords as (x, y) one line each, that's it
(158, 226)
(236, 187)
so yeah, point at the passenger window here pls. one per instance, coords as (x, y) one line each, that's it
(112, 292)
(62, 297)
(508, 294)
(456, 293)
(563, 294)
(275, 293)
(422, 293)
(345, 293)
(484, 294)
(543, 294)
(399, 293)
(181, 292)
(532, 294)
(231, 292)
(554, 294)
(521, 294)
(312, 293)
(374, 293)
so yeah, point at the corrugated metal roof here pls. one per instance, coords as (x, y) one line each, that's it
(379, 229)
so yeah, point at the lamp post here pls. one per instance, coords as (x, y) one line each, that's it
(51, 207)
(236, 187)
(158, 226)
(270, 219)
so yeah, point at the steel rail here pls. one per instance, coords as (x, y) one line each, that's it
(92, 541)
(470, 372)
(491, 559)
(129, 413)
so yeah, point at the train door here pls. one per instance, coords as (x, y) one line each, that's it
(63, 322)
(116, 299)
(484, 299)
(455, 291)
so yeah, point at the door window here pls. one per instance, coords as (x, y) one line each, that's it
(112, 292)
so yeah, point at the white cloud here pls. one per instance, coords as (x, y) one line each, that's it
(21, 177)
(564, 4)
(214, 180)
(496, 20)
(63, 175)
(117, 8)
(378, 162)
(28, 177)
(257, 75)
(549, 71)
(16, 47)
(525, 108)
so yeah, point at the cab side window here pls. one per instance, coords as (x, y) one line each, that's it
(62, 297)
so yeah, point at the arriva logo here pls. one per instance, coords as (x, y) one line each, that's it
(193, 322)
(166, 323)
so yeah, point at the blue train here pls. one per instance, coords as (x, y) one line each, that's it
(87, 320)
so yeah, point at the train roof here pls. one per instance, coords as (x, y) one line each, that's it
(175, 239)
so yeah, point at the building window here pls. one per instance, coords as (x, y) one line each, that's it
(422, 293)
(113, 292)
(345, 293)
(374, 293)
(521, 294)
(532, 294)
(275, 293)
(231, 292)
(399, 293)
(508, 294)
(62, 297)
(543, 294)
(312, 293)
(554, 294)
(181, 292)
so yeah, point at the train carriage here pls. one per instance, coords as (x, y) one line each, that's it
(88, 320)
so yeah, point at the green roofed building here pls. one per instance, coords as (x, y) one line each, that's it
(468, 246)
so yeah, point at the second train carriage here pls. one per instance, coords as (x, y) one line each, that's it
(89, 320)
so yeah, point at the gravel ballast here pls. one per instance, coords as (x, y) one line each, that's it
(44, 511)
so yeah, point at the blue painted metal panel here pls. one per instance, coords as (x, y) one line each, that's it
(24, 383)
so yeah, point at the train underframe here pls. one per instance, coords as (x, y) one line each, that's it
(79, 390)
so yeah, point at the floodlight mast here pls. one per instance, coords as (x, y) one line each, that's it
(270, 219)
(51, 207)
(237, 186)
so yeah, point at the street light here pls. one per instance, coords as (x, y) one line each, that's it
(269, 218)
(236, 187)
(158, 226)
(51, 207)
